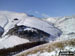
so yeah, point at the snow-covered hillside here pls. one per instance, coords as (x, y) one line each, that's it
(23, 19)
(9, 20)
(66, 24)
(66, 42)
(18, 28)
(12, 41)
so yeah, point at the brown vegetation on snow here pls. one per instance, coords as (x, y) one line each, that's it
(48, 47)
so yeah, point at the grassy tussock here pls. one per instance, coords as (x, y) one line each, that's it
(48, 47)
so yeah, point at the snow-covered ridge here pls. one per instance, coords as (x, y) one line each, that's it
(23, 19)
(7, 19)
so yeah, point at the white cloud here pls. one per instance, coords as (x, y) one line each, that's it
(45, 15)
(37, 12)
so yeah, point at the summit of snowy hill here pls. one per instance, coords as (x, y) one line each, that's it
(11, 18)
(7, 19)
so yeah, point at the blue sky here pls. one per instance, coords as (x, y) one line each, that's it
(40, 8)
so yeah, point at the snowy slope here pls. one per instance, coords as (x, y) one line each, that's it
(11, 41)
(52, 26)
(40, 24)
(9, 19)
(7, 22)
(3, 21)
(23, 19)
(67, 26)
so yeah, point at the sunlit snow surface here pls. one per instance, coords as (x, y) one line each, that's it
(10, 41)
(66, 24)
(40, 24)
